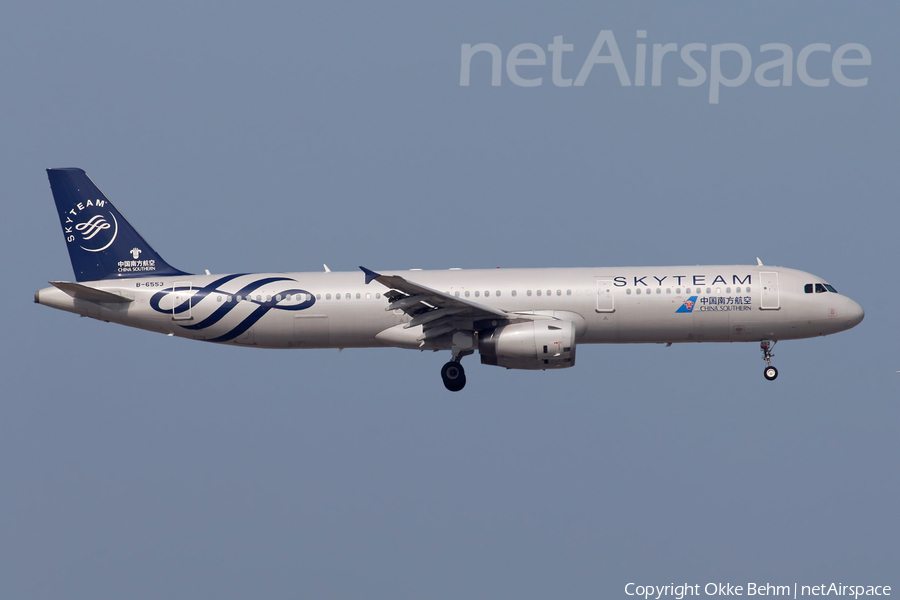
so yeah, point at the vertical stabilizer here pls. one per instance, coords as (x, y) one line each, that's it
(101, 243)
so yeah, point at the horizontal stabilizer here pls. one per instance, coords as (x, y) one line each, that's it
(83, 292)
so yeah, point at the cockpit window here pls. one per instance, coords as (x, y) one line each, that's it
(820, 288)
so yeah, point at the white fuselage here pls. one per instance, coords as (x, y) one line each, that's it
(607, 305)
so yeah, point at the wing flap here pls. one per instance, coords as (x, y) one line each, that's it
(433, 315)
(437, 331)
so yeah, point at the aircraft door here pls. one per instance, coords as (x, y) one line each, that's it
(605, 299)
(181, 308)
(769, 298)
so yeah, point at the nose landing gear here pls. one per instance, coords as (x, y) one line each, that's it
(769, 372)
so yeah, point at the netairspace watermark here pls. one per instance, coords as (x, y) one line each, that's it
(705, 61)
(681, 591)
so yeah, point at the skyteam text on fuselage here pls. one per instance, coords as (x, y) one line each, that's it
(514, 318)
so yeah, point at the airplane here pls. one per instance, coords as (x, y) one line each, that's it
(531, 319)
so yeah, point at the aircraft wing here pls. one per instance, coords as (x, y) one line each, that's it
(438, 313)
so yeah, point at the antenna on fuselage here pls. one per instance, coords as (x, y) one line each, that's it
(759, 262)
(327, 270)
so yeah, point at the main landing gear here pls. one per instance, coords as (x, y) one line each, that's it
(452, 373)
(769, 372)
(454, 376)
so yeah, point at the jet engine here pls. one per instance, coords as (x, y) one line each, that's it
(535, 345)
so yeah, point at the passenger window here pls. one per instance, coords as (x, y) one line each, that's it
(378, 296)
(708, 291)
(218, 298)
(368, 295)
(559, 292)
(820, 289)
(728, 290)
(528, 293)
(277, 297)
(677, 290)
(568, 292)
(549, 293)
(328, 296)
(497, 294)
(628, 291)
(513, 293)
(668, 290)
(658, 291)
(477, 293)
(457, 294)
(539, 292)
(637, 291)
(318, 297)
(467, 293)
(337, 296)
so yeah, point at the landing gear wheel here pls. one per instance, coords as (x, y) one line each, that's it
(454, 376)
(770, 373)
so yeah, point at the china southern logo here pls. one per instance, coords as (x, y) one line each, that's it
(688, 305)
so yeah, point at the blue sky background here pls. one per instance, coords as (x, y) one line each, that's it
(280, 136)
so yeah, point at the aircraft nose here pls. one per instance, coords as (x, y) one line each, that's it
(854, 312)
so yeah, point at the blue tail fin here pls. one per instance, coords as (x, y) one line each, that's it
(101, 243)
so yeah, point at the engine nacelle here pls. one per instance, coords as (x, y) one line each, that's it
(535, 345)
